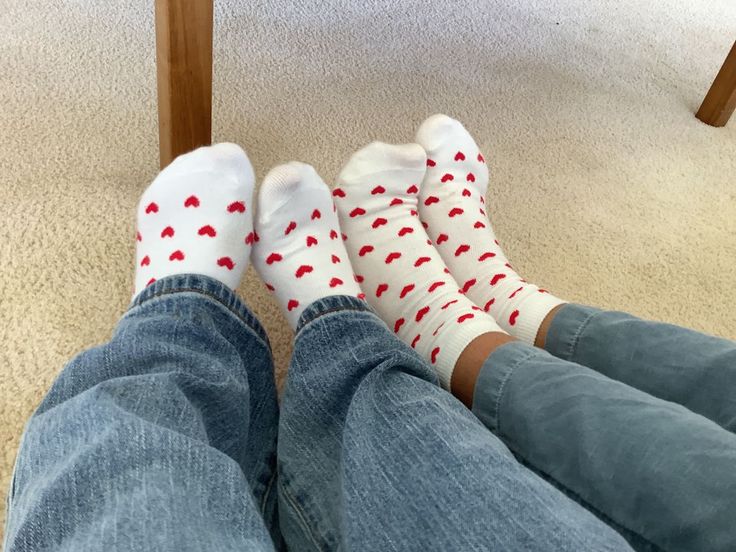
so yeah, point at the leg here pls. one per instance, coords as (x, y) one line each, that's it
(163, 438)
(184, 60)
(675, 364)
(720, 102)
(661, 474)
(373, 455)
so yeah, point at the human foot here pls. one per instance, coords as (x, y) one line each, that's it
(299, 252)
(452, 204)
(195, 218)
(403, 276)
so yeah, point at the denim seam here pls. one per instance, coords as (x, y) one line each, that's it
(333, 310)
(211, 296)
(575, 340)
(267, 491)
(300, 515)
(502, 387)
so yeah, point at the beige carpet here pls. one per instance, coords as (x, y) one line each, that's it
(605, 187)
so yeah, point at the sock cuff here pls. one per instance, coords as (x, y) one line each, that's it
(535, 312)
(455, 340)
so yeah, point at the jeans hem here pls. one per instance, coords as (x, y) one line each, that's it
(212, 290)
(567, 328)
(327, 305)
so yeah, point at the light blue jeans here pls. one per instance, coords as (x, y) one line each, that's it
(165, 438)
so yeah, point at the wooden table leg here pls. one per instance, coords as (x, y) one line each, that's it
(720, 102)
(184, 67)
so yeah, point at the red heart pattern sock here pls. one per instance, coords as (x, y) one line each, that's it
(452, 205)
(195, 218)
(299, 252)
(402, 275)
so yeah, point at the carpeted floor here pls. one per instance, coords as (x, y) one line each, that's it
(605, 187)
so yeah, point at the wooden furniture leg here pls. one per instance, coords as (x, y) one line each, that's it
(184, 70)
(720, 102)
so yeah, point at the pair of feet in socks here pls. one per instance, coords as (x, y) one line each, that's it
(405, 229)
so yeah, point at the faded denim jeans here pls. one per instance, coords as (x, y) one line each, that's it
(169, 438)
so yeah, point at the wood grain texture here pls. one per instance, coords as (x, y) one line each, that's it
(184, 71)
(720, 102)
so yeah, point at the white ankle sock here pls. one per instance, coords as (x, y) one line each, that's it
(402, 275)
(195, 218)
(452, 204)
(299, 253)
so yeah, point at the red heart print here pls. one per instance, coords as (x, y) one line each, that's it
(542, 291)
(479, 224)
(509, 265)
(357, 212)
(434, 354)
(486, 255)
(311, 240)
(431, 199)
(335, 259)
(398, 324)
(145, 261)
(338, 192)
(359, 278)
(482, 212)
(207, 230)
(392, 257)
(435, 285)
(269, 287)
(227, 262)
(151, 208)
(464, 317)
(442, 238)
(378, 190)
(455, 211)
(167, 232)
(415, 340)
(177, 255)
(515, 292)
(405, 230)
(421, 260)
(361, 295)
(334, 282)
(459, 156)
(467, 285)
(446, 178)
(513, 317)
(396, 201)
(302, 270)
(249, 238)
(138, 236)
(316, 214)
(273, 258)
(289, 228)
(480, 158)
(425, 225)
(430, 163)
(333, 234)
(466, 192)
(407, 288)
(470, 177)
(380, 289)
(365, 250)
(234, 207)
(380, 221)
(421, 313)
(446, 270)
(412, 189)
(293, 303)
(449, 303)
(255, 236)
(464, 248)
(429, 242)
(496, 278)
(487, 306)
(191, 201)
(151, 281)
